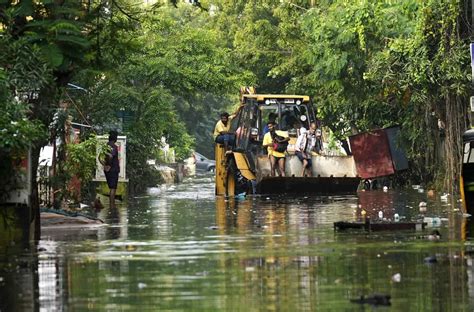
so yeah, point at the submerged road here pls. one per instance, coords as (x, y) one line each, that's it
(179, 248)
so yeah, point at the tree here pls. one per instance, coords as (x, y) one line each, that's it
(54, 32)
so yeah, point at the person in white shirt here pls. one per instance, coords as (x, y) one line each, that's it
(304, 146)
(302, 128)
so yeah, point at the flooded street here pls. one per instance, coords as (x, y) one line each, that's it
(180, 248)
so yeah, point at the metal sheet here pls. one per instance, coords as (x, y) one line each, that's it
(323, 166)
(372, 155)
(399, 158)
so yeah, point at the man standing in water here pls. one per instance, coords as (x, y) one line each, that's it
(272, 140)
(112, 167)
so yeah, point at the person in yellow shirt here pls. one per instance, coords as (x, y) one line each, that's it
(222, 134)
(276, 157)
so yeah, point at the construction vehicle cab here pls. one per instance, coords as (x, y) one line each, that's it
(467, 172)
(248, 168)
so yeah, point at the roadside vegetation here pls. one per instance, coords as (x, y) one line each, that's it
(167, 69)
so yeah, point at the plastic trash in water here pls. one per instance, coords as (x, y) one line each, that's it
(240, 196)
(436, 221)
(397, 277)
(432, 221)
(422, 206)
(396, 217)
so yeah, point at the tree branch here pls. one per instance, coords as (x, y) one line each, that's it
(124, 12)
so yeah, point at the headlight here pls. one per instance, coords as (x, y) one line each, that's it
(298, 102)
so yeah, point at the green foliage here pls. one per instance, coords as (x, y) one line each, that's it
(81, 159)
(18, 131)
(170, 68)
(425, 77)
(177, 72)
(57, 28)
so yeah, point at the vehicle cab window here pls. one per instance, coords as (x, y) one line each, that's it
(468, 155)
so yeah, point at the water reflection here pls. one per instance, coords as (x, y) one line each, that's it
(181, 248)
(117, 220)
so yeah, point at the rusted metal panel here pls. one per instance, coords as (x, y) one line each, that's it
(371, 152)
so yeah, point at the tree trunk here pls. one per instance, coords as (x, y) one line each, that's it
(35, 218)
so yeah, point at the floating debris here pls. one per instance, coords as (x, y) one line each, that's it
(379, 226)
(432, 221)
(397, 278)
(375, 299)
(240, 196)
(396, 217)
(430, 259)
(435, 235)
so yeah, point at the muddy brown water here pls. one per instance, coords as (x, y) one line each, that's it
(180, 248)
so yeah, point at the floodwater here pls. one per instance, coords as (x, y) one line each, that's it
(180, 248)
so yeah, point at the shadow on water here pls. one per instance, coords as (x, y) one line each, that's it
(179, 247)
